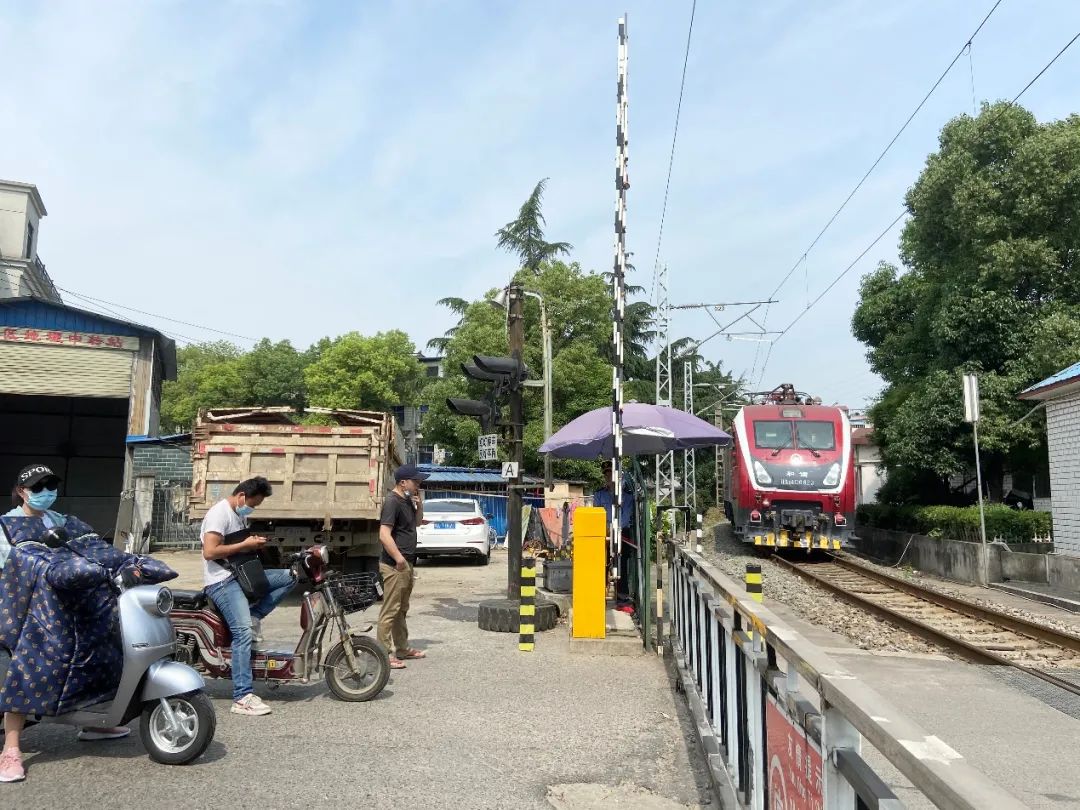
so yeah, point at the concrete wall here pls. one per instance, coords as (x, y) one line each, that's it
(957, 560)
(13, 212)
(1063, 439)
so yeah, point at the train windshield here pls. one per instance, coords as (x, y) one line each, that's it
(816, 435)
(772, 434)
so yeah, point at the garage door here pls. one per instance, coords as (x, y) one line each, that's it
(64, 371)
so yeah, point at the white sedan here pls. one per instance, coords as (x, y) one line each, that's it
(454, 527)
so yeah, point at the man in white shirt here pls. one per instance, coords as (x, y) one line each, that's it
(225, 518)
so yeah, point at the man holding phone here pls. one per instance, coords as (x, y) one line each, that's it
(225, 518)
(403, 509)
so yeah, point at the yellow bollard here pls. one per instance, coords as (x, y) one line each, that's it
(590, 573)
(753, 581)
(527, 611)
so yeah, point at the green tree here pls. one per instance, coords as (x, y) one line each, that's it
(208, 375)
(524, 236)
(374, 373)
(273, 374)
(991, 286)
(578, 307)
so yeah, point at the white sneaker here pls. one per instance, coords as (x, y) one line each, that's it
(256, 630)
(250, 705)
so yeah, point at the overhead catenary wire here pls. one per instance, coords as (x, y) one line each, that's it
(904, 211)
(886, 150)
(671, 156)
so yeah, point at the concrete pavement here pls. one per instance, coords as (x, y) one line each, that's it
(475, 725)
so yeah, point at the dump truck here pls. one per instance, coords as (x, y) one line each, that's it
(329, 479)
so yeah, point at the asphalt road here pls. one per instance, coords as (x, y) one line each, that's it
(475, 725)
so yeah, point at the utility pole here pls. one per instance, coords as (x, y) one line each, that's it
(618, 289)
(689, 461)
(665, 463)
(517, 420)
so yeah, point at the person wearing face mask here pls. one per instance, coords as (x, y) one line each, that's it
(402, 510)
(34, 494)
(225, 518)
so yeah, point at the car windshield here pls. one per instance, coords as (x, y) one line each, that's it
(465, 507)
(816, 435)
(772, 435)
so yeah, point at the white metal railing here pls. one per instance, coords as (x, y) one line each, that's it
(781, 723)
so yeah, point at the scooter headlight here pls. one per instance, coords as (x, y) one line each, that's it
(164, 601)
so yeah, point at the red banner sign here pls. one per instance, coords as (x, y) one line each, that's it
(795, 765)
(53, 337)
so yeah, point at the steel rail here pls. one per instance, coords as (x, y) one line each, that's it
(963, 648)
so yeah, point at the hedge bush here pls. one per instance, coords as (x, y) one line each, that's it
(957, 522)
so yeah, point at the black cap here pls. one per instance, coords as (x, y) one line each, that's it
(409, 472)
(35, 474)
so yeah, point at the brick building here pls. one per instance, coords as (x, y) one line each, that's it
(1060, 395)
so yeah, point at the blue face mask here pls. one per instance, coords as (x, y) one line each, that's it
(42, 500)
(245, 510)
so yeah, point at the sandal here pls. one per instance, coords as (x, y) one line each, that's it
(396, 663)
(412, 654)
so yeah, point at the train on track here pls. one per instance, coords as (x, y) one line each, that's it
(789, 474)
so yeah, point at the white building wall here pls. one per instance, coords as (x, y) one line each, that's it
(1063, 438)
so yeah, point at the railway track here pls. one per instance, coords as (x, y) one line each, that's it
(978, 633)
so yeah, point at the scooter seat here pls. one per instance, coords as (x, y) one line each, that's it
(190, 600)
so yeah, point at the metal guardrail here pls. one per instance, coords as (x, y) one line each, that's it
(782, 724)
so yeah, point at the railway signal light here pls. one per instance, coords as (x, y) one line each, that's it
(503, 374)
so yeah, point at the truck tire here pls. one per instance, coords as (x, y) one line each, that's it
(501, 615)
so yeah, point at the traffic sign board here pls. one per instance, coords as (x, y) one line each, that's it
(509, 469)
(488, 446)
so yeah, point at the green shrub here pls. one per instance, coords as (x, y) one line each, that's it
(956, 522)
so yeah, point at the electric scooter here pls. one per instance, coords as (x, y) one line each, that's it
(357, 667)
(177, 719)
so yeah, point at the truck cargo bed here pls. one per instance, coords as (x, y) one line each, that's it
(324, 473)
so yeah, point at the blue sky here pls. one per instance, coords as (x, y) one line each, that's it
(300, 169)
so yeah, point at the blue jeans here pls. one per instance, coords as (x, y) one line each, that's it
(233, 605)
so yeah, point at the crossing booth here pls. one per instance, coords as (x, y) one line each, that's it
(74, 385)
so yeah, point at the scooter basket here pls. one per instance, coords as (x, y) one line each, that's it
(355, 592)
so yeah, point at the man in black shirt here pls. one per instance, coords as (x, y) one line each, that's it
(402, 510)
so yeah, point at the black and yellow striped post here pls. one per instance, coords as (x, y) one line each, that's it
(527, 611)
(753, 581)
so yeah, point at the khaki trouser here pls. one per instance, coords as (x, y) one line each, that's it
(397, 588)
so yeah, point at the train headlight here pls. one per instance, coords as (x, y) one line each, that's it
(761, 474)
(832, 477)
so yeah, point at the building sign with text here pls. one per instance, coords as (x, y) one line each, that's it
(795, 764)
(54, 337)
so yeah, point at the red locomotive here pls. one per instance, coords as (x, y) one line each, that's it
(789, 472)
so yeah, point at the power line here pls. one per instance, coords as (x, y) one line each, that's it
(1047, 67)
(903, 212)
(155, 315)
(885, 151)
(674, 138)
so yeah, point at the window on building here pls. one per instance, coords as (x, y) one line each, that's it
(433, 371)
(399, 414)
(427, 454)
(29, 240)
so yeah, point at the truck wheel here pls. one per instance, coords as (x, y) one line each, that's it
(373, 663)
(501, 615)
(195, 725)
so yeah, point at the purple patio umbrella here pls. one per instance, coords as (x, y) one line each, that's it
(648, 430)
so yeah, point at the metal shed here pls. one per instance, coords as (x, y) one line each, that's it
(73, 386)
